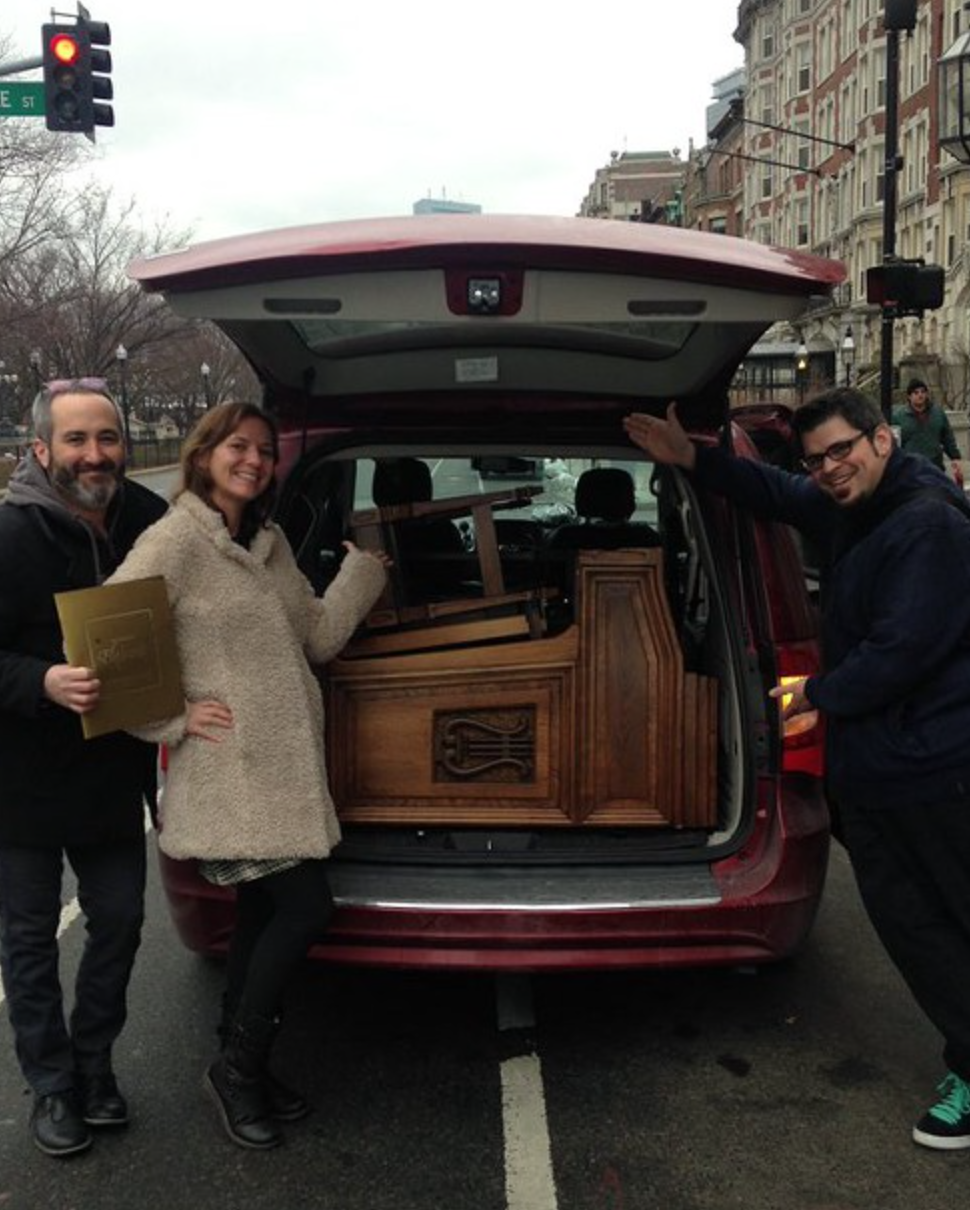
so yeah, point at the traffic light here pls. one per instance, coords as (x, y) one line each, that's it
(65, 104)
(906, 287)
(98, 38)
(76, 76)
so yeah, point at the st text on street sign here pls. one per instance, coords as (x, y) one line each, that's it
(21, 99)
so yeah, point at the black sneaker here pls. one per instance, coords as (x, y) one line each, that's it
(101, 1102)
(56, 1125)
(946, 1126)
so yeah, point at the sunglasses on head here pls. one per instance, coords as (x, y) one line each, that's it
(60, 386)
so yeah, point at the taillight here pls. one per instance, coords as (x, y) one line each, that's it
(804, 735)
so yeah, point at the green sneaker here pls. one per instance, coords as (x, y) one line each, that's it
(946, 1126)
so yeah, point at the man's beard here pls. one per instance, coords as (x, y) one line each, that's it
(93, 499)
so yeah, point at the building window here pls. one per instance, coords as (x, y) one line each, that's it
(803, 69)
(802, 148)
(766, 182)
(849, 28)
(847, 121)
(801, 223)
(879, 63)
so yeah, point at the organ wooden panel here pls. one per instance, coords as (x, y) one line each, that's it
(597, 726)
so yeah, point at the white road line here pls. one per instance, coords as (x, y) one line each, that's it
(529, 1180)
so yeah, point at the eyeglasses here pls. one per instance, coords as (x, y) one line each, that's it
(838, 451)
(60, 386)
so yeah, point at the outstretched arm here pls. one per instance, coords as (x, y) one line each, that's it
(664, 440)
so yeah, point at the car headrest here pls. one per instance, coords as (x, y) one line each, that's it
(401, 481)
(605, 493)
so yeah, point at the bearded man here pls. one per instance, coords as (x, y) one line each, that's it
(69, 519)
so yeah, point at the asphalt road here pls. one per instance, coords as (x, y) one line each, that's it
(788, 1089)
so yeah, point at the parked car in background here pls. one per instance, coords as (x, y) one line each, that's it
(552, 745)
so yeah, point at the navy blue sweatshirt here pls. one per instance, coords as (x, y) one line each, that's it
(895, 623)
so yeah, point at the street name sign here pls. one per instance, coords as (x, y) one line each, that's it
(21, 99)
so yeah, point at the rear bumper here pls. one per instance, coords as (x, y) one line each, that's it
(756, 906)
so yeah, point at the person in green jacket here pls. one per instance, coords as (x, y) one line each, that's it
(924, 428)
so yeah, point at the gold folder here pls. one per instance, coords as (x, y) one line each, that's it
(126, 634)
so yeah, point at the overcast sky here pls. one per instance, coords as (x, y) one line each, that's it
(242, 116)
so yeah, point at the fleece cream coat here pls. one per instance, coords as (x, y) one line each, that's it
(247, 622)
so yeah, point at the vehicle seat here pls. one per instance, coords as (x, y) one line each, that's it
(605, 502)
(430, 551)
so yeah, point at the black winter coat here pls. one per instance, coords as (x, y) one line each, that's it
(895, 623)
(57, 788)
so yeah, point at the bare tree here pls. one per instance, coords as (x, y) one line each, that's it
(90, 304)
(66, 302)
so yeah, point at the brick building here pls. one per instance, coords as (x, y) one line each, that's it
(636, 186)
(813, 171)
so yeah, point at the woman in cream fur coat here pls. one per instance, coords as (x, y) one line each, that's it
(246, 791)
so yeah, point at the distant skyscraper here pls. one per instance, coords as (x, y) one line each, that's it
(444, 205)
(727, 90)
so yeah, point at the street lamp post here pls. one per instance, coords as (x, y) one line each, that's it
(801, 369)
(848, 355)
(953, 70)
(6, 380)
(121, 356)
(205, 370)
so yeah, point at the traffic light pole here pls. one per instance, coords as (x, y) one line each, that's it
(14, 69)
(893, 165)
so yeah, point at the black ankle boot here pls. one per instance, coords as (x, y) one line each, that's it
(234, 1082)
(285, 1104)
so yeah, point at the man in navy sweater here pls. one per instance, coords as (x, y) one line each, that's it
(894, 538)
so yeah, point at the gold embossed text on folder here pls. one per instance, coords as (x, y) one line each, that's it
(125, 633)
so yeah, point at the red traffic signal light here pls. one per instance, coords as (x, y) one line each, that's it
(64, 49)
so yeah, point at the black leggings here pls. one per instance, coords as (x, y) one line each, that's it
(278, 918)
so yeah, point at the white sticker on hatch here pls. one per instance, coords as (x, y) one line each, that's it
(476, 369)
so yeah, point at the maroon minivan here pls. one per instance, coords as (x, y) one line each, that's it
(551, 746)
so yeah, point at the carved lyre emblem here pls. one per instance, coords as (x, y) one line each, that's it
(485, 745)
